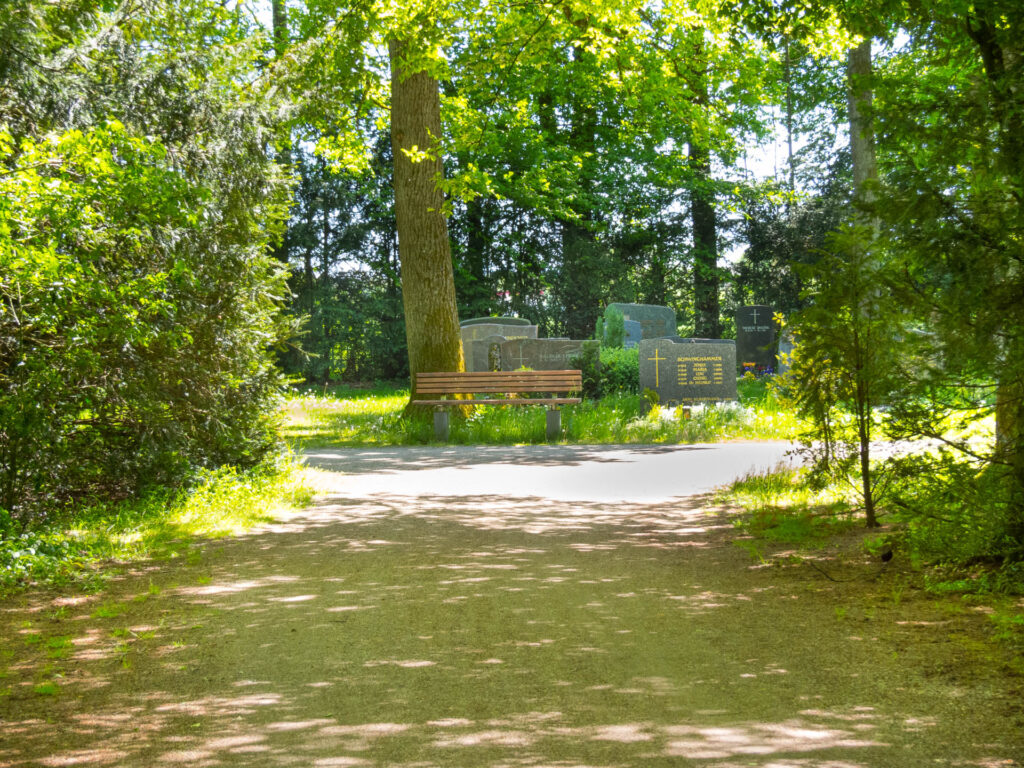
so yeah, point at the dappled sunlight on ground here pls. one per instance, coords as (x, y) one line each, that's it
(481, 630)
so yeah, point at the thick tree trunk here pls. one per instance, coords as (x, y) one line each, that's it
(428, 283)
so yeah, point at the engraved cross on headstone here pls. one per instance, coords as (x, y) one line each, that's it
(520, 358)
(656, 360)
(754, 313)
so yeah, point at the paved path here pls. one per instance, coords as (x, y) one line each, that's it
(600, 474)
(501, 607)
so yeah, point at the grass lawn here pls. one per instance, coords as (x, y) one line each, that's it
(373, 417)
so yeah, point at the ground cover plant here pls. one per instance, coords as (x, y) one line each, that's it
(317, 417)
(84, 545)
(960, 546)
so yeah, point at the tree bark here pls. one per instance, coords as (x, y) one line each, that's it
(279, 19)
(706, 309)
(428, 282)
(862, 133)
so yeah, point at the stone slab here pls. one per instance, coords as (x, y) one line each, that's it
(496, 320)
(697, 371)
(634, 333)
(540, 354)
(656, 321)
(479, 331)
(484, 354)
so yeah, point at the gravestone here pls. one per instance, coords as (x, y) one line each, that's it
(484, 354)
(786, 347)
(477, 356)
(656, 321)
(634, 334)
(496, 320)
(755, 338)
(540, 354)
(691, 371)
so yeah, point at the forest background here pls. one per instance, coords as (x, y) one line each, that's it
(198, 198)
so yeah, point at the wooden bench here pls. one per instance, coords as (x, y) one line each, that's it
(497, 388)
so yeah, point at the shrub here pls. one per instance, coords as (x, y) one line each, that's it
(620, 371)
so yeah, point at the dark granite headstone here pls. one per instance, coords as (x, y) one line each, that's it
(755, 338)
(496, 320)
(656, 321)
(634, 334)
(539, 354)
(693, 371)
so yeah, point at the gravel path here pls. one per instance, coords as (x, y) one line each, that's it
(543, 606)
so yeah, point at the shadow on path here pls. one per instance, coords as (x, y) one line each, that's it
(481, 630)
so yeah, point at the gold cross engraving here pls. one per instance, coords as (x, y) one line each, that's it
(656, 360)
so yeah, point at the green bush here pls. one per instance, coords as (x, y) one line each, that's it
(608, 371)
(138, 298)
(620, 371)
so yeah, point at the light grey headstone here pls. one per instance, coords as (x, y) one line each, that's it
(479, 331)
(634, 333)
(656, 321)
(484, 354)
(691, 371)
(539, 354)
(755, 338)
(496, 320)
(786, 347)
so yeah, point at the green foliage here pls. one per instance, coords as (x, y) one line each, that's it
(161, 524)
(620, 370)
(589, 364)
(851, 349)
(608, 371)
(614, 335)
(346, 417)
(137, 299)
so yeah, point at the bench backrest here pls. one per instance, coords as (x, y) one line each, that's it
(453, 383)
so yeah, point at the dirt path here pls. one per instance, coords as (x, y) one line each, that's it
(401, 622)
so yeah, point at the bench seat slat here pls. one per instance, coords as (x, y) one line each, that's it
(504, 401)
(495, 389)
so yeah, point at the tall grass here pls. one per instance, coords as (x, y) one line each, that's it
(73, 549)
(360, 418)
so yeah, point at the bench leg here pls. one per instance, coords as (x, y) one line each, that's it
(554, 424)
(441, 425)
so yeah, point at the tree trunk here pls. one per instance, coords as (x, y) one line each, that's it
(706, 310)
(428, 282)
(862, 133)
(279, 16)
(707, 322)
(788, 75)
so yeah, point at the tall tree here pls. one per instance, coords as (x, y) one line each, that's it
(428, 283)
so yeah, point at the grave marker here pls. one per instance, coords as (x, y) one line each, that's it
(755, 338)
(692, 371)
(655, 321)
(540, 354)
